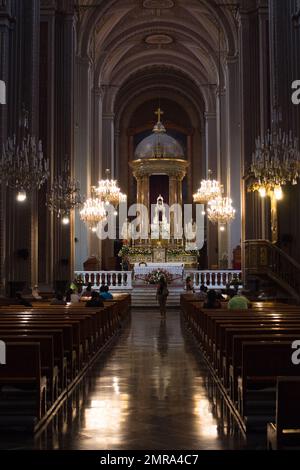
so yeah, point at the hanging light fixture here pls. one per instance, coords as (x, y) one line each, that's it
(275, 163)
(220, 210)
(93, 213)
(22, 165)
(64, 195)
(210, 189)
(109, 192)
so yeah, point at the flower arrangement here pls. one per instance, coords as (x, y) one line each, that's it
(127, 251)
(177, 252)
(124, 252)
(155, 276)
(174, 252)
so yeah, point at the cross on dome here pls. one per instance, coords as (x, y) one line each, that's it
(159, 113)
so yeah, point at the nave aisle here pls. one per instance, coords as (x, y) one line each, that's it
(148, 392)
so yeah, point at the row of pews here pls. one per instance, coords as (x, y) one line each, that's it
(48, 351)
(250, 356)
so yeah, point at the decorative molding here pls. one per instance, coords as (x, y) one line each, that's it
(159, 39)
(156, 166)
(158, 4)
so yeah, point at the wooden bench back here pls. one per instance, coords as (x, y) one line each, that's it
(267, 359)
(22, 361)
(288, 403)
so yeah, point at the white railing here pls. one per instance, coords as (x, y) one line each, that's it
(214, 279)
(116, 280)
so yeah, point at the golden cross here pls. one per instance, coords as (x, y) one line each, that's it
(159, 113)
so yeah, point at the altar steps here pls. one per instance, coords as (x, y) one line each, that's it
(145, 296)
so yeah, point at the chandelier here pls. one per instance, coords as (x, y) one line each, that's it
(109, 192)
(275, 163)
(209, 190)
(64, 195)
(220, 210)
(23, 166)
(93, 213)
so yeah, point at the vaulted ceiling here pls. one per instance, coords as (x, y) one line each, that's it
(166, 41)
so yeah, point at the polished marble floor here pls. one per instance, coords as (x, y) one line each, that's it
(149, 391)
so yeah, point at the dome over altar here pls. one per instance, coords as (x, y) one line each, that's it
(159, 146)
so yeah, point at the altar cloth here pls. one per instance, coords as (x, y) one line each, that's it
(176, 269)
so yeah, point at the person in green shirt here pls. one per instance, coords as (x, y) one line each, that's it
(239, 302)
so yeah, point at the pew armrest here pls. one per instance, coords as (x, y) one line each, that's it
(272, 436)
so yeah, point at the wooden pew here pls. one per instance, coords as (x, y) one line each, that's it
(70, 331)
(22, 375)
(222, 336)
(221, 350)
(69, 337)
(262, 363)
(235, 336)
(48, 368)
(60, 359)
(235, 368)
(285, 432)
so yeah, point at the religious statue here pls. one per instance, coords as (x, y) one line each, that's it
(160, 228)
(191, 235)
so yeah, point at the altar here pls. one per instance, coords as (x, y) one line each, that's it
(162, 241)
(175, 269)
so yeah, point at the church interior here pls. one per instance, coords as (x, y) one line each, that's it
(149, 223)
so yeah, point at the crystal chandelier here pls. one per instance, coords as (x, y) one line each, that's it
(209, 190)
(109, 192)
(93, 213)
(220, 210)
(64, 195)
(23, 166)
(275, 163)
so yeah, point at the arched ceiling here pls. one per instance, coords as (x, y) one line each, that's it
(164, 82)
(129, 39)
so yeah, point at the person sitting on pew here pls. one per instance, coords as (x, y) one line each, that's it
(212, 301)
(239, 302)
(36, 294)
(189, 286)
(58, 300)
(87, 293)
(203, 293)
(72, 297)
(105, 294)
(95, 301)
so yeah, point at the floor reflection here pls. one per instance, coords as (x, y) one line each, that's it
(151, 391)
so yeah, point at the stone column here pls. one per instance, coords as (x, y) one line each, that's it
(46, 132)
(173, 199)
(145, 197)
(31, 91)
(254, 110)
(234, 155)
(180, 197)
(223, 170)
(83, 151)
(64, 130)
(211, 163)
(23, 87)
(139, 190)
(96, 169)
(5, 22)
